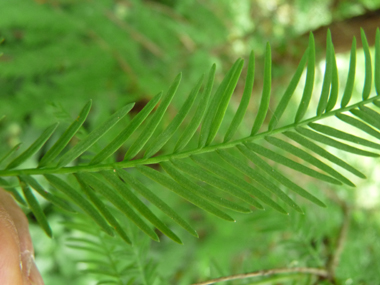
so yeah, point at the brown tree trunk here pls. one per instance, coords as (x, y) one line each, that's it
(342, 32)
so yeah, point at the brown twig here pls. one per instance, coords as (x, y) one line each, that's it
(136, 36)
(124, 66)
(305, 270)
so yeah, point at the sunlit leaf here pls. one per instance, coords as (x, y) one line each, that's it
(368, 66)
(350, 76)
(309, 83)
(327, 77)
(238, 117)
(265, 97)
(334, 83)
(377, 61)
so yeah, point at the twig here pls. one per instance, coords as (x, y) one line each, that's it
(138, 37)
(305, 270)
(335, 258)
(125, 67)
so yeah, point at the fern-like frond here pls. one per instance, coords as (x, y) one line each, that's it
(108, 259)
(212, 170)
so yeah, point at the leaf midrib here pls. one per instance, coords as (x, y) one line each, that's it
(158, 159)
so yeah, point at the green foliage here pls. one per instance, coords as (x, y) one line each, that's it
(116, 171)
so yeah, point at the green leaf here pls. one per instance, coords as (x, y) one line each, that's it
(326, 140)
(48, 196)
(227, 187)
(117, 142)
(13, 191)
(188, 133)
(350, 77)
(94, 136)
(377, 61)
(365, 115)
(66, 136)
(265, 97)
(155, 200)
(119, 202)
(102, 208)
(223, 102)
(289, 92)
(342, 135)
(210, 165)
(236, 121)
(368, 66)
(214, 104)
(309, 158)
(126, 192)
(309, 83)
(154, 121)
(359, 124)
(278, 176)
(375, 116)
(334, 84)
(248, 171)
(201, 191)
(327, 77)
(179, 190)
(36, 146)
(35, 207)
(80, 201)
(157, 144)
(376, 103)
(10, 152)
(318, 150)
(290, 163)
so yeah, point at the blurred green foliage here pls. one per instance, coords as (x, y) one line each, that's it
(58, 54)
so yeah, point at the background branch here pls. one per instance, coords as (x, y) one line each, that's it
(261, 273)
